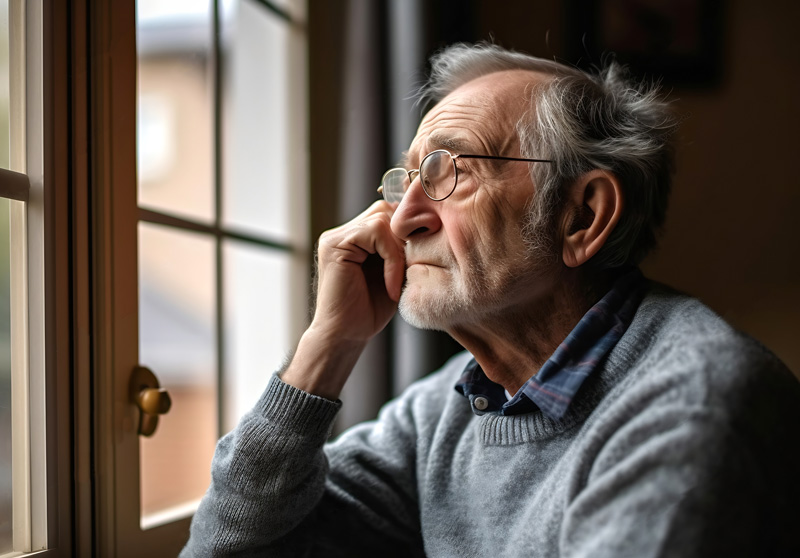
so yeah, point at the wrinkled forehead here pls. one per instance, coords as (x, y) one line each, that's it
(479, 116)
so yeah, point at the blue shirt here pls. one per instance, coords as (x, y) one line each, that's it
(554, 386)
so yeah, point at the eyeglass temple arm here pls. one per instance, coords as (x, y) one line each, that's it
(501, 158)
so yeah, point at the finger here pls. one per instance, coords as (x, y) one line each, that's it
(375, 236)
(394, 267)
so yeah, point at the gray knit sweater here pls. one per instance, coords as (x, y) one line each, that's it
(684, 443)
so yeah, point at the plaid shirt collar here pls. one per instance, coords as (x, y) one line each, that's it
(554, 386)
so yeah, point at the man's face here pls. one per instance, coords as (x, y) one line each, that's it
(466, 256)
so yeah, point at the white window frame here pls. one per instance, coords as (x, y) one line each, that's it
(27, 255)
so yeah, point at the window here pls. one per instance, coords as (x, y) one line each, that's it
(221, 262)
(222, 242)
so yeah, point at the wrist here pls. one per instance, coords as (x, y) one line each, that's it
(321, 364)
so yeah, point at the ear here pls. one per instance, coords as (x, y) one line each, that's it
(594, 208)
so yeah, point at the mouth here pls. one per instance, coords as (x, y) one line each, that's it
(428, 264)
(427, 255)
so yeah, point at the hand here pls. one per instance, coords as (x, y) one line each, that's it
(360, 271)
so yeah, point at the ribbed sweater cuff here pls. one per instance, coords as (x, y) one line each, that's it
(295, 410)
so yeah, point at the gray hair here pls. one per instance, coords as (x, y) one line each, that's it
(582, 122)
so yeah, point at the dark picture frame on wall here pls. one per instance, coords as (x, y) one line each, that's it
(679, 42)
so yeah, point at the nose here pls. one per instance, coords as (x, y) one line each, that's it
(417, 214)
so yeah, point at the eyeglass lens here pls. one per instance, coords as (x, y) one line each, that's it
(437, 173)
(395, 182)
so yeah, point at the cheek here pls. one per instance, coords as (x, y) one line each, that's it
(486, 223)
(502, 222)
(481, 240)
(465, 232)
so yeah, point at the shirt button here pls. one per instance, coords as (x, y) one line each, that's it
(481, 403)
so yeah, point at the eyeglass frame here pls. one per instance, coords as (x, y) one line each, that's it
(455, 169)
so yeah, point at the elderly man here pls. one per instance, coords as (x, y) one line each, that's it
(594, 413)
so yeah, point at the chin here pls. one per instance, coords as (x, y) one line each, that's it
(436, 309)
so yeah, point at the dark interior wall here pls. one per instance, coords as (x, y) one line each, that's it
(729, 238)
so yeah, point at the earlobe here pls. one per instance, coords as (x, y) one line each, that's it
(595, 207)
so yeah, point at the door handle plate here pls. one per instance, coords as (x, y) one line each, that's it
(149, 397)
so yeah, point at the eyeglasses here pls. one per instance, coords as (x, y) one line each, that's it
(438, 174)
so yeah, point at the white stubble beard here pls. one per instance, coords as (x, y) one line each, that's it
(451, 301)
(435, 306)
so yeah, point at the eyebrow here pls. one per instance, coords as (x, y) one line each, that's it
(453, 144)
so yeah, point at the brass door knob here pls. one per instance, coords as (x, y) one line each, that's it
(149, 397)
(154, 401)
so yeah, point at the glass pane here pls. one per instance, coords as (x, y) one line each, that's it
(258, 320)
(4, 87)
(257, 142)
(177, 340)
(175, 107)
(6, 511)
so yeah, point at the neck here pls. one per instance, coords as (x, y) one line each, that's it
(512, 345)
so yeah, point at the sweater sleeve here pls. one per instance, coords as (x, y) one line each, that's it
(276, 490)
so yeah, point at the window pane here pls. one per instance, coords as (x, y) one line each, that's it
(177, 340)
(6, 510)
(257, 139)
(175, 107)
(4, 87)
(258, 320)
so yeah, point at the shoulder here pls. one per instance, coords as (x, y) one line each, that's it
(676, 335)
(682, 360)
